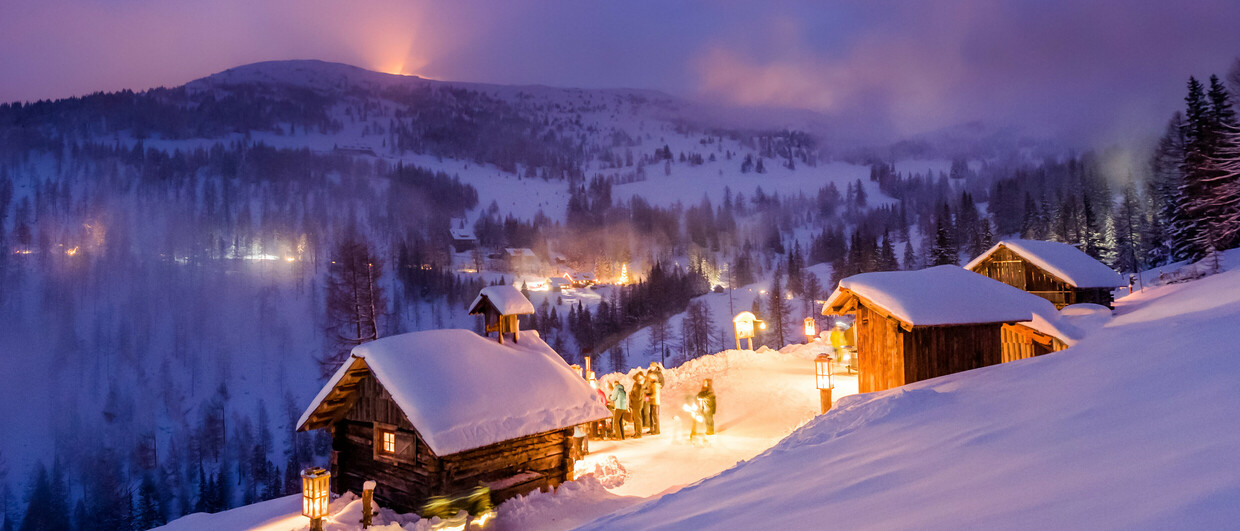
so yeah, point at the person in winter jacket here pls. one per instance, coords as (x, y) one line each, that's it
(619, 404)
(637, 401)
(706, 406)
(654, 390)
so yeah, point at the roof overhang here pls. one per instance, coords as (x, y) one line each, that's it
(336, 397)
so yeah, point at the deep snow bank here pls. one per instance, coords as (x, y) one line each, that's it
(1134, 427)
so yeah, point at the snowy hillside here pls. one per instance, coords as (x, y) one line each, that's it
(1132, 428)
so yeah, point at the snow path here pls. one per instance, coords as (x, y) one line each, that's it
(762, 397)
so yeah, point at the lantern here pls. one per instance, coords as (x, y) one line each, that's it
(822, 372)
(314, 489)
(811, 329)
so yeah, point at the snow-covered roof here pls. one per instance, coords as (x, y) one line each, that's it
(1062, 260)
(508, 300)
(1072, 323)
(558, 281)
(519, 252)
(465, 233)
(942, 295)
(582, 276)
(463, 391)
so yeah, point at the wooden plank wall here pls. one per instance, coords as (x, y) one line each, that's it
(930, 352)
(880, 351)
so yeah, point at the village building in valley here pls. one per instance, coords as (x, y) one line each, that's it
(917, 325)
(1055, 271)
(442, 412)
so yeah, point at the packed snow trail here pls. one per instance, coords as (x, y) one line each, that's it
(1132, 428)
(762, 397)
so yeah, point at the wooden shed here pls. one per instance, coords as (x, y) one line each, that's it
(441, 412)
(501, 308)
(916, 325)
(1055, 271)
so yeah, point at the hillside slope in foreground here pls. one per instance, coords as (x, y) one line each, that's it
(1135, 427)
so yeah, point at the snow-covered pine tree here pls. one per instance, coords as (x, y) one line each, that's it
(910, 257)
(1163, 201)
(1195, 169)
(943, 250)
(1221, 181)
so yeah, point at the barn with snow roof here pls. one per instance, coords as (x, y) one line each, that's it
(1055, 271)
(441, 412)
(917, 325)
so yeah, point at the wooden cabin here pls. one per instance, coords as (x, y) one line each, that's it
(463, 238)
(442, 412)
(1055, 271)
(522, 261)
(501, 308)
(916, 325)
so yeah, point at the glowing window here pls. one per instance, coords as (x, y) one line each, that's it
(389, 442)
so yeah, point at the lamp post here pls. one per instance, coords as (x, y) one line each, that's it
(811, 330)
(314, 489)
(822, 372)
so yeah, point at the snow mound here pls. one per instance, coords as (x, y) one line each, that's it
(610, 473)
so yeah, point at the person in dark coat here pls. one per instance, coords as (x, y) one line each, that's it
(637, 401)
(706, 407)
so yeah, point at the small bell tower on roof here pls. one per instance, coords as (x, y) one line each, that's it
(500, 307)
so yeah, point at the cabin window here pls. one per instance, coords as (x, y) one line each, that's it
(393, 445)
(389, 442)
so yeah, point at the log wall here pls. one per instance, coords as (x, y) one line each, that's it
(407, 480)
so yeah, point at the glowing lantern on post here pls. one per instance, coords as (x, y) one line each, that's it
(811, 329)
(822, 372)
(314, 489)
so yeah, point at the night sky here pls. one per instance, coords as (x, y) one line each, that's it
(1088, 71)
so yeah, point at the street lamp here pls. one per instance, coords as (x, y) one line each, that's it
(314, 488)
(811, 329)
(822, 372)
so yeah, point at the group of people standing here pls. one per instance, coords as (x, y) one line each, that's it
(640, 405)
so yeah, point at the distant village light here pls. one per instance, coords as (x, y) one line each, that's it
(314, 489)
